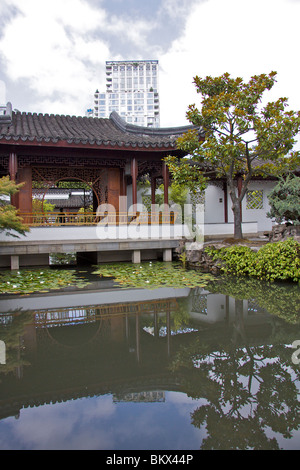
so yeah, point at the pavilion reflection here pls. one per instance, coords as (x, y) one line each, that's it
(124, 348)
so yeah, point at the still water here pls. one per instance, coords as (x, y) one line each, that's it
(103, 367)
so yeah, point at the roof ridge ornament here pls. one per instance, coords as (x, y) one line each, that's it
(6, 117)
(148, 131)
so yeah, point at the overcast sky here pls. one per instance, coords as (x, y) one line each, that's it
(53, 52)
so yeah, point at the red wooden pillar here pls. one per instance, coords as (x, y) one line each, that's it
(114, 187)
(166, 178)
(134, 175)
(153, 188)
(123, 187)
(25, 192)
(123, 197)
(13, 169)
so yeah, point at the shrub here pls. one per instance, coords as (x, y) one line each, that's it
(279, 260)
(284, 201)
(274, 261)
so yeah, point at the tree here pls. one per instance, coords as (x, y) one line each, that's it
(284, 200)
(41, 206)
(10, 222)
(243, 138)
(177, 194)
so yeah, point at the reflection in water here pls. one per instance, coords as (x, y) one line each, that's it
(161, 369)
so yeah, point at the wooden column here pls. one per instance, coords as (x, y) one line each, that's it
(113, 186)
(153, 188)
(13, 166)
(123, 197)
(166, 178)
(123, 186)
(13, 169)
(134, 174)
(25, 193)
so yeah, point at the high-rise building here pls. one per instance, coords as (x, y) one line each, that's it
(131, 91)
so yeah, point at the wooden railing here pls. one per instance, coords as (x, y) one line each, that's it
(49, 219)
(63, 316)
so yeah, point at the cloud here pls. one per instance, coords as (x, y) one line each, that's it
(53, 46)
(179, 8)
(52, 54)
(241, 38)
(78, 424)
(2, 92)
(57, 50)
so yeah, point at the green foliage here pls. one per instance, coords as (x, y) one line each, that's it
(277, 298)
(178, 193)
(153, 275)
(284, 200)
(186, 172)
(10, 221)
(274, 261)
(83, 210)
(39, 206)
(242, 138)
(183, 258)
(35, 280)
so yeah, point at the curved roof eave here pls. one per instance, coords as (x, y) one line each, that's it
(73, 131)
(150, 131)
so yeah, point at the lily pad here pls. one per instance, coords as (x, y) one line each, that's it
(38, 280)
(153, 275)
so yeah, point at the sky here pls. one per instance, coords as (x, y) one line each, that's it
(53, 52)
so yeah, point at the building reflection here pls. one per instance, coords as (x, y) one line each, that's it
(124, 348)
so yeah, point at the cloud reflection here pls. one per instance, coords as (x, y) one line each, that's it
(99, 423)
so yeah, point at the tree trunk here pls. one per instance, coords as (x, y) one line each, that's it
(236, 208)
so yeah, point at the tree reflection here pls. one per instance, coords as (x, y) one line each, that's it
(12, 330)
(249, 389)
(279, 299)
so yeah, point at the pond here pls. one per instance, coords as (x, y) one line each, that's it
(105, 365)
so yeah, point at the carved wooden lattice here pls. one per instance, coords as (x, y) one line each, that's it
(72, 162)
(4, 162)
(96, 178)
(151, 167)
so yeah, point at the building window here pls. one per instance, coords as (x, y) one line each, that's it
(255, 199)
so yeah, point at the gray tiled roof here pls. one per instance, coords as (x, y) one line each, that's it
(112, 132)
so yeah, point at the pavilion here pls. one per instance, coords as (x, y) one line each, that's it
(109, 155)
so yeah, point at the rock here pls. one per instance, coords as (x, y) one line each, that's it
(283, 232)
(194, 246)
(197, 258)
(181, 247)
(193, 256)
